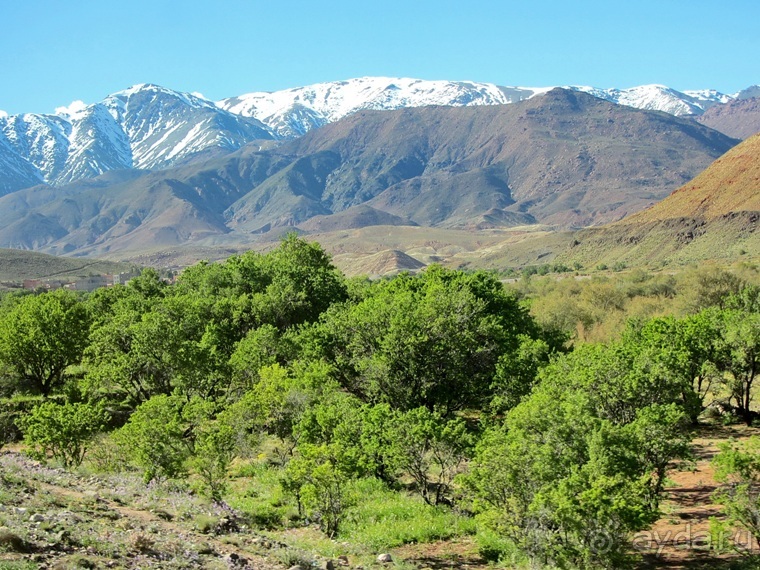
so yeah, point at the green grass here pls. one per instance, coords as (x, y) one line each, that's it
(381, 518)
(256, 491)
(384, 518)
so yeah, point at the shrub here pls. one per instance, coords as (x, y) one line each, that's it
(154, 437)
(63, 430)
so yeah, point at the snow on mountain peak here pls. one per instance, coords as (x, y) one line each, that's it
(327, 102)
(3, 114)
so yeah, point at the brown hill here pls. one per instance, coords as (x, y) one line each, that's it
(388, 262)
(565, 158)
(739, 118)
(729, 185)
(714, 216)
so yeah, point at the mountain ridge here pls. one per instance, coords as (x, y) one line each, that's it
(151, 127)
(566, 159)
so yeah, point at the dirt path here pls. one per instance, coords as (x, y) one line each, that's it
(681, 539)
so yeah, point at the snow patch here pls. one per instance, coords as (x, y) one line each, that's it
(3, 114)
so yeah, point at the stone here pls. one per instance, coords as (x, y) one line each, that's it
(327, 565)
(384, 558)
(36, 517)
(343, 560)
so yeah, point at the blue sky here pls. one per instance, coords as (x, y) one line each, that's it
(53, 51)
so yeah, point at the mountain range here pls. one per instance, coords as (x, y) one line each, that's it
(151, 168)
(151, 127)
(566, 158)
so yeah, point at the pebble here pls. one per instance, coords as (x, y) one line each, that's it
(36, 517)
(384, 558)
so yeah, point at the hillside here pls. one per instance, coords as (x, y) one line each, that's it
(16, 265)
(739, 118)
(566, 158)
(713, 216)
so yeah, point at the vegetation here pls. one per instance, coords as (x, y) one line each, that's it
(543, 417)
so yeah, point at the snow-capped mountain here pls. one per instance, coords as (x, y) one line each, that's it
(151, 127)
(660, 98)
(146, 126)
(293, 112)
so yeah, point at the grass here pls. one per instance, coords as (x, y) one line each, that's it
(384, 518)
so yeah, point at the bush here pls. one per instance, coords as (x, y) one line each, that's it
(63, 430)
(12, 409)
(154, 438)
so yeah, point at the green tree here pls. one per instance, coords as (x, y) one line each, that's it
(41, 336)
(740, 343)
(517, 373)
(318, 482)
(155, 437)
(429, 449)
(566, 487)
(429, 341)
(63, 430)
(215, 447)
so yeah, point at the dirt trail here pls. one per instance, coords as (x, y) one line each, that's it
(681, 540)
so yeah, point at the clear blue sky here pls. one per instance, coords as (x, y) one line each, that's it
(55, 51)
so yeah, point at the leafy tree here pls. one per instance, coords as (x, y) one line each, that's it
(566, 487)
(215, 447)
(318, 482)
(429, 341)
(708, 287)
(304, 283)
(429, 449)
(282, 397)
(136, 355)
(63, 430)
(155, 437)
(261, 347)
(41, 336)
(517, 373)
(740, 342)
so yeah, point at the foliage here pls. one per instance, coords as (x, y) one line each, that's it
(517, 371)
(738, 468)
(41, 336)
(740, 344)
(214, 450)
(319, 483)
(154, 437)
(429, 341)
(566, 486)
(431, 450)
(63, 430)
